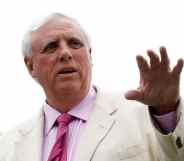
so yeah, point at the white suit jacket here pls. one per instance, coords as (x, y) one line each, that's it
(117, 130)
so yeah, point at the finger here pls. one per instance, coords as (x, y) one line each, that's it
(165, 63)
(154, 59)
(142, 64)
(178, 68)
(134, 95)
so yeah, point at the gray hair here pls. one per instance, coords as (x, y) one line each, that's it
(26, 41)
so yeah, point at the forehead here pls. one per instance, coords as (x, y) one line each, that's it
(55, 29)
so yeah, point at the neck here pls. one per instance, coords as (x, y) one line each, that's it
(64, 103)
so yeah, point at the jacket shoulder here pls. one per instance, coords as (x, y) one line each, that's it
(11, 137)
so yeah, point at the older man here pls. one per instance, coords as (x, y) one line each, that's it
(80, 122)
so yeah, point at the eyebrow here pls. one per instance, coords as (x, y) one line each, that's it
(48, 41)
(76, 38)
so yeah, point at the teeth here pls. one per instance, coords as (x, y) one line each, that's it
(67, 71)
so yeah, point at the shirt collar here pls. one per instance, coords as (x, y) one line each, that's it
(80, 111)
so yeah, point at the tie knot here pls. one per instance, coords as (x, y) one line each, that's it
(64, 119)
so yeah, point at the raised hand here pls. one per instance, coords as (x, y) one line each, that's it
(159, 84)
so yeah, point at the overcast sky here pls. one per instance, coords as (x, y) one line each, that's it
(119, 30)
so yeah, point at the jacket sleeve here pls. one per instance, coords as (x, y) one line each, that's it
(171, 146)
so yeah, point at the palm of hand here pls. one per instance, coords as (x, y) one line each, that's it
(159, 85)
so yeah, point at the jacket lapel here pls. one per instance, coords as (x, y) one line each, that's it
(98, 126)
(29, 145)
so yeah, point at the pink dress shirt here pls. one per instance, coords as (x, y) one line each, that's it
(166, 123)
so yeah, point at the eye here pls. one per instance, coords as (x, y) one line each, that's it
(50, 47)
(75, 43)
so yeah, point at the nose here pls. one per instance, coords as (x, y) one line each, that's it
(65, 53)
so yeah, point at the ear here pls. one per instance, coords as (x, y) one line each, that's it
(30, 66)
(90, 51)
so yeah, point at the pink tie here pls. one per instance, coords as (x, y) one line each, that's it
(59, 150)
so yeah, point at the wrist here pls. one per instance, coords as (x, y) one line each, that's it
(164, 109)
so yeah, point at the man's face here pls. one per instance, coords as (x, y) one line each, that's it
(60, 59)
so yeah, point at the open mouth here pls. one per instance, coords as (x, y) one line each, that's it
(67, 71)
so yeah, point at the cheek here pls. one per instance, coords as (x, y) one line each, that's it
(85, 65)
(83, 60)
(42, 66)
(47, 60)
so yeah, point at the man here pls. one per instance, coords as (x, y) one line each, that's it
(80, 122)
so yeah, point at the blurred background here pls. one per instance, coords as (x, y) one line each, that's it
(119, 30)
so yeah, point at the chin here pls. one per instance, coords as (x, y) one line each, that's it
(69, 88)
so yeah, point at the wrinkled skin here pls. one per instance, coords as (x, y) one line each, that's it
(58, 46)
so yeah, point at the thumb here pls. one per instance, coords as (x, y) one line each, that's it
(134, 95)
